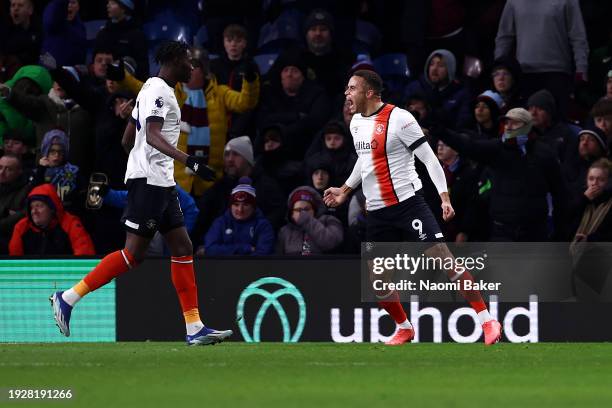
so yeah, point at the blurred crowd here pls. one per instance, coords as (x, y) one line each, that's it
(514, 96)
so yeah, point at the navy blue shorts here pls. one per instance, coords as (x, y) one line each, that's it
(408, 221)
(151, 208)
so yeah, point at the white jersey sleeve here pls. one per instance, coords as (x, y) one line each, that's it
(355, 178)
(409, 132)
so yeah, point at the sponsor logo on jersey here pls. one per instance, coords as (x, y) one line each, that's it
(361, 145)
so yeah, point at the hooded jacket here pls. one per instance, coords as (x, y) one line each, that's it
(323, 232)
(450, 104)
(13, 118)
(343, 159)
(228, 236)
(65, 235)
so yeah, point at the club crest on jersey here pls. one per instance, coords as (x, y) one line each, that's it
(159, 102)
(380, 128)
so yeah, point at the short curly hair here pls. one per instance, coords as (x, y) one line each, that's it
(170, 50)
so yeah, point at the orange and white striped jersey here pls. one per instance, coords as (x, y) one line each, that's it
(385, 142)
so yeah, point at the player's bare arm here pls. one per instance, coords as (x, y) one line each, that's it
(129, 136)
(155, 139)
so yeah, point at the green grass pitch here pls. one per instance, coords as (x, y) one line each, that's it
(311, 375)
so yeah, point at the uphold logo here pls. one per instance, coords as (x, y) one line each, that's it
(271, 299)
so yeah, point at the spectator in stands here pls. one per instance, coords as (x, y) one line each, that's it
(296, 103)
(229, 69)
(111, 158)
(274, 161)
(64, 32)
(239, 162)
(548, 124)
(524, 171)
(592, 146)
(594, 218)
(204, 108)
(600, 70)
(449, 99)
(124, 35)
(308, 230)
(602, 117)
(242, 229)
(48, 229)
(15, 144)
(418, 106)
(14, 188)
(326, 64)
(21, 39)
(486, 113)
(320, 172)
(30, 81)
(54, 168)
(57, 110)
(335, 144)
(506, 81)
(550, 43)
(461, 180)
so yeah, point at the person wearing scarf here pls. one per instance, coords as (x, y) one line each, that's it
(526, 181)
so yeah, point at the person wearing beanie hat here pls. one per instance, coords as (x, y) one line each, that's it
(449, 99)
(309, 230)
(54, 168)
(242, 229)
(327, 64)
(295, 103)
(591, 146)
(487, 109)
(124, 36)
(546, 121)
(505, 80)
(241, 145)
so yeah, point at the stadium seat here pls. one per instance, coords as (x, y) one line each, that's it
(392, 65)
(201, 37)
(264, 62)
(393, 68)
(367, 38)
(161, 29)
(275, 36)
(92, 28)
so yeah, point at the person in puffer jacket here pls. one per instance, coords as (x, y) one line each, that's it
(242, 229)
(309, 231)
(48, 229)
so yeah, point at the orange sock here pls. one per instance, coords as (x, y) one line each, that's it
(183, 278)
(393, 306)
(111, 266)
(472, 296)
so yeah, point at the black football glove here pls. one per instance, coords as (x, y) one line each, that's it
(197, 165)
(250, 70)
